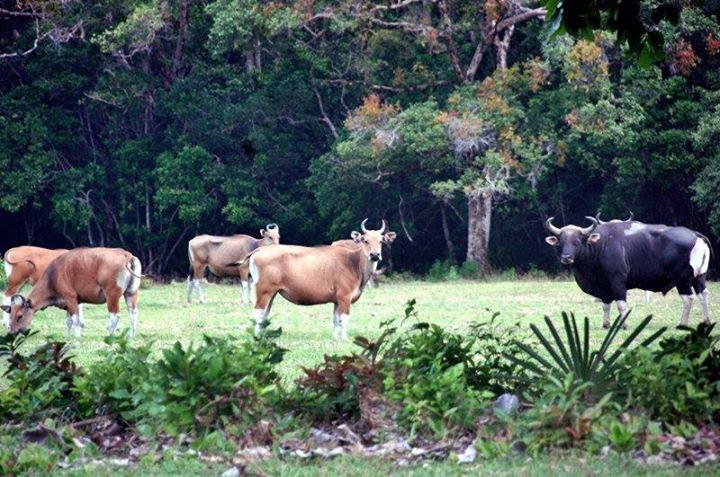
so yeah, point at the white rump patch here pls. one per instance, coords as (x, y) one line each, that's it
(635, 227)
(8, 269)
(700, 257)
(254, 272)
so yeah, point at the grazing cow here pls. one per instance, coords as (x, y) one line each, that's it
(352, 245)
(316, 275)
(82, 275)
(215, 252)
(25, 264)
(609, 258)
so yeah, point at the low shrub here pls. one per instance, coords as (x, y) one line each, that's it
(205, 388)
(684, 370)
(41, 381)
(442, 270)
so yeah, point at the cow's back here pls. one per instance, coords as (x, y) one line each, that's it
(656, 255)
(85, 271)
(34, 260)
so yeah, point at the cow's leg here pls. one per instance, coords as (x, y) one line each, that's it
(245, 284)
(619, 296)
(73, 310)
(685, 290)
(195, 282)
(606, 314)
(131, 303)
(702, 293)
(112, 296)
(343, 309)
(337, 326)
(261, 309)
(648, 296)
(14, 286)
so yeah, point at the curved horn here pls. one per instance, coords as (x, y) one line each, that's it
(382, 229)
(550, 227)
(597, 217)
(362, 226)
(632, 216)
(271, 226)
(589, 230)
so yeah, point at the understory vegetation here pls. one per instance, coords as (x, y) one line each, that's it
(425, 391)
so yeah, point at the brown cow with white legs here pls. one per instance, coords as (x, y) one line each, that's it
(316, 275)
(83, 275)
(26, 264)
(215, 252)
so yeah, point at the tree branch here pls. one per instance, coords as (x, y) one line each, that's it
(325, 117)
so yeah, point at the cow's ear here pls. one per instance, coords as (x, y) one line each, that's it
(5, 308)
(389, 237)
(552, 240)
(593, 238)
(356, 236)
(262, 232)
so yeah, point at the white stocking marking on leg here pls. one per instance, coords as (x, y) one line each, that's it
(687, 306)
(133, 321)
(703, 299)
(648, 296)
(190, 288)
(606, 313)
(622, 310)
(337, 327)
(78, 324)
(113, 319)
(258, 315)
(201, 292)
(6, 316)
(344, 325)
(69, 321)
(244, 291)
(700, 257)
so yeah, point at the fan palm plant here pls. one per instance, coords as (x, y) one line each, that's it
(572, 353)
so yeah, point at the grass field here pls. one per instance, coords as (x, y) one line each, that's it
(165, 316)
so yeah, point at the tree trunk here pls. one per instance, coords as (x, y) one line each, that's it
(479, 215)
(446, 233)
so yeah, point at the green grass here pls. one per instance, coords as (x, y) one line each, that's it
(166, 317)
(548, 465)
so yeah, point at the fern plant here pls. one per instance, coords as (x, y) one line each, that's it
(572, 353)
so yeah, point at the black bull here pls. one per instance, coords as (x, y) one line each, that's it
(609, 258)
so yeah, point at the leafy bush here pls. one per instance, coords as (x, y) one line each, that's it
(685, 371)
(562, 417)
(596, 369)
(117, 382)
(470, 270)
(41, 381)
(442, 270)
(205, 388)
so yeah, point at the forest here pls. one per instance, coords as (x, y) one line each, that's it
(463, 124)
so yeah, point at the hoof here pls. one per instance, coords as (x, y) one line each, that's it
(606, 326)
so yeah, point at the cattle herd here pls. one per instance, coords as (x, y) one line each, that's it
(607, 259)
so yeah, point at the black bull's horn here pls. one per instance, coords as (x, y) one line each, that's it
(556, 231)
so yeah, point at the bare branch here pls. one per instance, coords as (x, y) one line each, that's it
(325, 117)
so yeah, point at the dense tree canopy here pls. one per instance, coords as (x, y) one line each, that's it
(462, 123)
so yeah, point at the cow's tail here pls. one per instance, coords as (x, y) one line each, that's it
(707, 242)
(6, 259)
(245, 260)
(191, 258)
(134, 267)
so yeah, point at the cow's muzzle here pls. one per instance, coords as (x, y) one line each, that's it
(375, 257)
(566, 260)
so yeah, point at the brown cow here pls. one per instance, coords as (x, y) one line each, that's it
(215, 252)
(83, 275)
(316, 275)
(26, 264)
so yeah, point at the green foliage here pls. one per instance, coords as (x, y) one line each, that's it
(203, 388)
(41, 381)
(562, 417)
(596, 370)
(685, 370)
